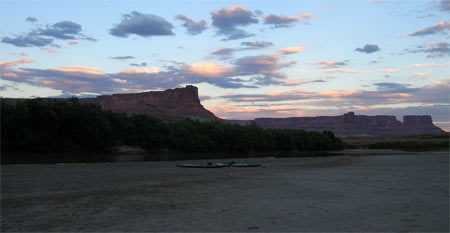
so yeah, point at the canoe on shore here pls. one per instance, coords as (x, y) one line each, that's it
(203, 165)
(219, 165)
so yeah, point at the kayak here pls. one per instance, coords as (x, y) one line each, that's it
(247, 165)
(203, 165)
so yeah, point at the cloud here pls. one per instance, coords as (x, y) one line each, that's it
(244, 72)
(368, 48)
(142, 64)
(285, 21)
(64, 30)
(444, 5)
(5, 65)
(73, 42)
(70, 80)
(192, 27)
(144, 25)
(122, 57)
(91, 73)
(422, 75)
(50, 50)
(262, 64)
(226, 20)
(441, 27)
(291, 50)
(209, 70)
(433, 50)
(388, 70)
(224, 53)
(388, 99)
(386, 94)
(153, 70)
(257, 44)
(31, 19)
(428, 65)
(121, 81)
(298, 82)
(29, 40)
(330, 64)
(323, 98)
(41, 37)
(388, 87)
(258, 12)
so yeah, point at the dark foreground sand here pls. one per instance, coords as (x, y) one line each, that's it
(403, 192)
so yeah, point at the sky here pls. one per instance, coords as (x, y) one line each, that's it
(249, 59)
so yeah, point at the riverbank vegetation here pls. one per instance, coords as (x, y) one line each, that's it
(38, 126)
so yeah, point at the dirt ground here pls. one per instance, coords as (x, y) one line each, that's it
(384, 192)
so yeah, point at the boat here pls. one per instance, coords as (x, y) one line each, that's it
(203, 165)
(247, 165)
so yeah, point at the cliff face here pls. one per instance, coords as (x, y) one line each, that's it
(170, 104)
(351, 124)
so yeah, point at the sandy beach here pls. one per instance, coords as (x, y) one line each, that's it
(383, 192)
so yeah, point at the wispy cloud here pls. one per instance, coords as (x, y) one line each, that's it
(330, 64)
(389, 70)
(122, 57)
(433, 50)
(31, 39)
(401, 97)
(441, 27)
(225, 53)
(291, 50)
(279, 21)
(257, 44)
(44, 36)
(5, 65)
(152, 70)
(428, 65)
(422, 75)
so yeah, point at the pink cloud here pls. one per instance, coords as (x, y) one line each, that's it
(82, 70)
(429, 65)
(5, 65)
(388, 70)
(73, 42)
(329, 64)
(291, 50)
(209, 70)
(153, 70)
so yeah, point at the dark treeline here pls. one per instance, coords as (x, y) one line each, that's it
(50, 126)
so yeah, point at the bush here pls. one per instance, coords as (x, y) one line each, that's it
(38, 125)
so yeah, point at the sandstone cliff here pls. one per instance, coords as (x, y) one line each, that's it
(170, 104)
(351, 124)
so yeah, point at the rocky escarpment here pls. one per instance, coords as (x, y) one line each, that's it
(170, 104)
(351, 124)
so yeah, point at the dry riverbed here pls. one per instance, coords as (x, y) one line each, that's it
(383, 192)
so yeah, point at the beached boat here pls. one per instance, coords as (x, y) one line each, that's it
(203, 165)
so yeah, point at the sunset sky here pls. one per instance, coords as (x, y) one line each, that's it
(248, 58)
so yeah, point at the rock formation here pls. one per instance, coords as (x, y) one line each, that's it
(179, 103)
(170, 104)
(351, 124)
